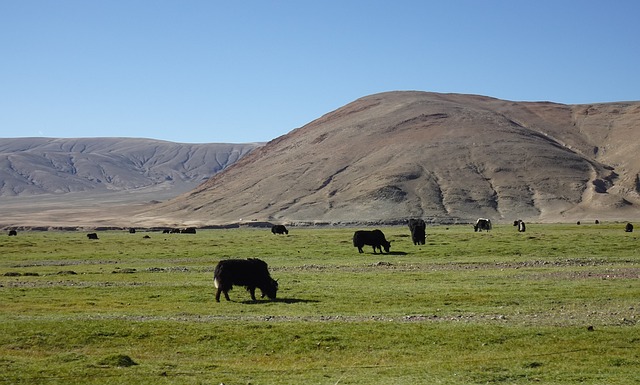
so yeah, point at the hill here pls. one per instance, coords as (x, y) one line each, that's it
(443, 157)
(66, 182)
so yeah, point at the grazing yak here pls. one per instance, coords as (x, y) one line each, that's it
(418, 231)
(13, 233)
(251, 273)
(482, 224)
(92, 236)
(279, 229)
(628, 228)
(521, 226)
(374, 238)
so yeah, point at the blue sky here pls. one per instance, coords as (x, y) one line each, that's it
(203, 71)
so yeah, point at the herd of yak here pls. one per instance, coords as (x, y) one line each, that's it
(253, 273)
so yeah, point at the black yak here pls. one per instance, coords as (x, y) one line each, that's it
(251, 273)
(279, 229)
(374, 238)
(418, 231)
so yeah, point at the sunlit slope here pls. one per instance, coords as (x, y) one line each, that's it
(390, 156)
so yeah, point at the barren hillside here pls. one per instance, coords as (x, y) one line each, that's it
(66, 182)
(443, 157)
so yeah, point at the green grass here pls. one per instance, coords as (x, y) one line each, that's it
(558, 304)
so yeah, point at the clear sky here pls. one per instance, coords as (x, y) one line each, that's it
(204, 71)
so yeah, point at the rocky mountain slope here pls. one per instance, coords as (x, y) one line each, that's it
(66, 181)
(443, 157)
(31, 166)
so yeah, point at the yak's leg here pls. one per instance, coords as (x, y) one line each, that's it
(252, 291)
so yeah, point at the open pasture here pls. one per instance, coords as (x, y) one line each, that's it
(558, 304)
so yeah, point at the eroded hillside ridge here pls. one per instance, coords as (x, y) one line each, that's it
(445, 157)
(32, 166)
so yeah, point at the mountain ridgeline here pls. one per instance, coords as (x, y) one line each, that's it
(40, 166)
(443, 157)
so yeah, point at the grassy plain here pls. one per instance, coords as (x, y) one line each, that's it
(558, 304)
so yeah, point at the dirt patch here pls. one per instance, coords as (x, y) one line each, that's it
(558, 317)
(385, 265)
(626, 273)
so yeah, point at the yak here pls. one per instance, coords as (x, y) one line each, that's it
(418, 232)
(482, 224)
(374, 238)
(251, 273)
(279, 229)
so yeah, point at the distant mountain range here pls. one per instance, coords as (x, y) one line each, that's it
(50, 178)
(381, 159)
(32, 166)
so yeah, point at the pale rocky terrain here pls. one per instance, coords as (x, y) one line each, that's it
(443, 157)
(381, 159)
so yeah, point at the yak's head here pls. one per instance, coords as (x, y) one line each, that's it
(387, 246)
(270, 289)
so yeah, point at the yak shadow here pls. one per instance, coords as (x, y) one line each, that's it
(391, 253)
(397, 253)
(295, 300)
(280, 300)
